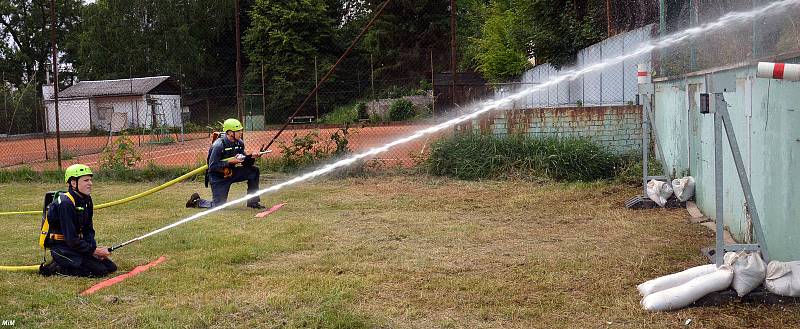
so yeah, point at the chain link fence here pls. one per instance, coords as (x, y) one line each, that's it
(772, 37)
(613, 85)
(168, 126)
(154, 93)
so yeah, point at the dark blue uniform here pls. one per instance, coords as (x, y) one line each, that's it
(220, 150)
(73, 254)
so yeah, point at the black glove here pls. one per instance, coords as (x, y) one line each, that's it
(248, 161)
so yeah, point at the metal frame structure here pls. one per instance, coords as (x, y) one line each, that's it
(646, 93)
(716, 85)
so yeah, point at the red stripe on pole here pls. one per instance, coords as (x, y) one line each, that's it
(119, 278)
(641, 74)
(777, 71)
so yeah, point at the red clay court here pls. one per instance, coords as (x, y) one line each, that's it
(16, 152)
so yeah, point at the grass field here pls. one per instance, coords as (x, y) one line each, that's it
(387, 251)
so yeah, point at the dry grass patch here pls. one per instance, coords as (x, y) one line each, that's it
(389, 251)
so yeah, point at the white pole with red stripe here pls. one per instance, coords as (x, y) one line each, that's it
(643, 73)
(780, 71)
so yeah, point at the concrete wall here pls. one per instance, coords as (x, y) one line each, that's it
(766, 119)
(617, 127)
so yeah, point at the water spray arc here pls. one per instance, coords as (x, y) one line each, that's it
(484, 107)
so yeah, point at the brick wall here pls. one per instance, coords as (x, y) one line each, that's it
(617, 127)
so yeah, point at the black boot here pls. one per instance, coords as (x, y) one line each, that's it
(194, 200)
(48, 269)
(256, 206)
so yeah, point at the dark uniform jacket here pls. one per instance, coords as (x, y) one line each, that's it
(223, 149)
(74, 221)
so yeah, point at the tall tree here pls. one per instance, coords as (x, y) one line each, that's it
(404, 36)
(501, 50)
(550, 30)
(284, 37)
(25, 37)
(188, 39)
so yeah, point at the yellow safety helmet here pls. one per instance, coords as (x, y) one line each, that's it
(232, 124)
(76, 171)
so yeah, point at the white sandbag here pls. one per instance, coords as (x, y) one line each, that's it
(689, 292)
(683, 188)
(674, 280)
(783, 278)
(659, 191)
(749, 270)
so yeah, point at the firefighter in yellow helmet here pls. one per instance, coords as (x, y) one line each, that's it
(70, 235)
(228, 164)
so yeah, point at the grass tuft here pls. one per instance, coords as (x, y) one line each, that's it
(475, 157)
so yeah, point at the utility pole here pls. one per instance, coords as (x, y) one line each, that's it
(55, 79)
(453, 49)
(371, 77)
(433, 88)
(264, 95)
(609, 24)
(316, 94)
(238, 65)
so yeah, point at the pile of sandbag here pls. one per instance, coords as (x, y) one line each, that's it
(783, 278)
(743, 270)
(678, 290)
(661, 192)
(683, 188)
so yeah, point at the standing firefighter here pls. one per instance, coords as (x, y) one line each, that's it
(68, 231)
(227, 164)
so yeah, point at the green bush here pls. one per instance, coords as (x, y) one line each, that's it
(341, 115)
(424, 112)
(401, 110)
(376, 118)
(630, 171)
(121, 153)
(191, 127)
(361, 111)
(474, 157)
(311, 149)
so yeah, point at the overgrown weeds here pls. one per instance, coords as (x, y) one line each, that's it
(309, 150)
(475, 157)
(120, 154)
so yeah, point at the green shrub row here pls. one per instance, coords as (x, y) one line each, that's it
(474, 157)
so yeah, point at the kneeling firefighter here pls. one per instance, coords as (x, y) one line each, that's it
(228, 164)
(68, 231)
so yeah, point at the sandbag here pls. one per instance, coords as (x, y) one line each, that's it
(659, 191)
(674, 280)
(749, 271)
(783, 278)
(683, 188)
(687, 293)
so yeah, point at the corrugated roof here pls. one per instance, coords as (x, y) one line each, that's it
(135, 86)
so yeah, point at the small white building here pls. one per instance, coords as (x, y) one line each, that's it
(138, 102)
